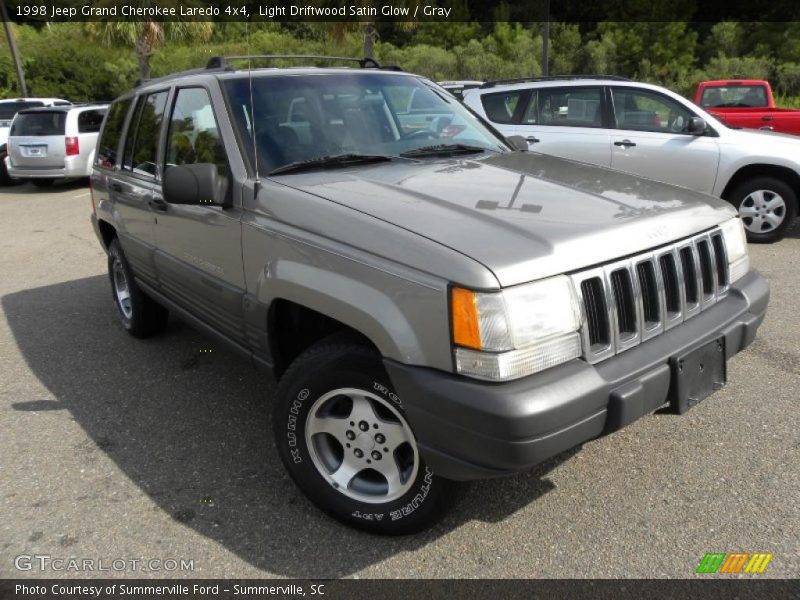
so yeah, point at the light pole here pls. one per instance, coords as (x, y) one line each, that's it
(546, 39)
(12, 46)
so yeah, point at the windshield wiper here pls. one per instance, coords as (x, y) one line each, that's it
(443, 149)
(335, 160)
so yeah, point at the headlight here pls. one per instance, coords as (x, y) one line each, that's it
(522, 330)
(736, 248)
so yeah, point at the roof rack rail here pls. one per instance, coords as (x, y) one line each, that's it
(223, 62)
(490, 84)
(195, 71)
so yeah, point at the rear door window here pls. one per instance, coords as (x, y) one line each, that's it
(39, 124)
(89, 121)
(112, 133)
(570, 107)
(141, 147)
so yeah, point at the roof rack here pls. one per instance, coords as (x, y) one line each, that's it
(489, 84)
(223, 62)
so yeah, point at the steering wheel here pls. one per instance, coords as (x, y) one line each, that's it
(677, 122)
(422, 134)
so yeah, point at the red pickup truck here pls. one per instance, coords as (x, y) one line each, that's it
(747, 103)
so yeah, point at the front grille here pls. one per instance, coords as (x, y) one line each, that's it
(632, 300)
(594, 303)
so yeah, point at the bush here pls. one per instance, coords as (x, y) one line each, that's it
(787, 79)
(61, 60)
(434, 63)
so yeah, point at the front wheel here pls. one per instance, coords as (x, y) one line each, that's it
(343, 436)
(767, 207)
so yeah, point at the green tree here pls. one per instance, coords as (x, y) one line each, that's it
(726, 39)
(147, 36)
(566, 53)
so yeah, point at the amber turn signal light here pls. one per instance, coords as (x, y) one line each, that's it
(464, 315)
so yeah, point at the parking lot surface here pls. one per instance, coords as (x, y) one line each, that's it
(113, 448)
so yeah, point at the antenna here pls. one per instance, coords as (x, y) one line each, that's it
(252, 108)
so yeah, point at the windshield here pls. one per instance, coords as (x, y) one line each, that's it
(306, 117)
(9, 109)
(751, 96)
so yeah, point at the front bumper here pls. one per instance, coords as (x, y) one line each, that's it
(467, 429)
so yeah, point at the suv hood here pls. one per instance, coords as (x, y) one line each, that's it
(522, 215)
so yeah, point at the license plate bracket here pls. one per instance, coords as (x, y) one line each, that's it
(35, 151)
(697, 374)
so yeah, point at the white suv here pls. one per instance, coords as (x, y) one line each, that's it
(653, 132)
(9, 108)
(52, 143)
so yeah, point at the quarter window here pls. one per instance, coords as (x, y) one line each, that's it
(89, 121)
(643, 110)
(193, 134)
(141, 148)
(500, 107)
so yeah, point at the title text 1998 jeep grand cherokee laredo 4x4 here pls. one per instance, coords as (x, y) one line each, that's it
(436, 305)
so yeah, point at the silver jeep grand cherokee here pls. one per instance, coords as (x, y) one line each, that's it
(436, 305)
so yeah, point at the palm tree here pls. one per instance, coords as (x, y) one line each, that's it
(339, 29)
(147, 36)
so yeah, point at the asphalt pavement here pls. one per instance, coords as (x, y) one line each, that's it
(116, 449)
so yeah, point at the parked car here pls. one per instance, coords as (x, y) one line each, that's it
(9, 108)
(652, 132)
(57, 142)
(457, 88)
(434, 308)
(747, 103)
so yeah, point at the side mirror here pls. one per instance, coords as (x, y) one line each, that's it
(199, 183)
(517, 142)
(696, 126)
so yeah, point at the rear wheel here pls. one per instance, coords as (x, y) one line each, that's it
(42, 183)
(5, 179)
(139, 314)
(767, 207)
(343, 436)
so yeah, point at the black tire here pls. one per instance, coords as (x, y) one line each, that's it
(141, 316)
(42, 183)
(5, 179)
(751, 208)
(335, 364)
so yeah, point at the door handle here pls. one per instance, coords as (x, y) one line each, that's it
(766, 118)
(767, 128)
(531, 139)
(158, 204)
(115, 187)
(625, 144)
